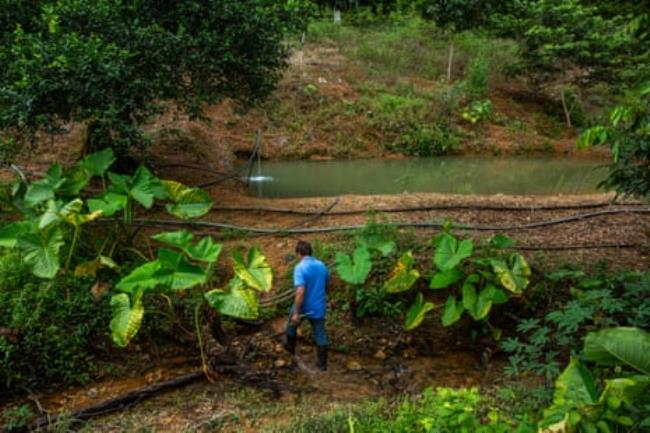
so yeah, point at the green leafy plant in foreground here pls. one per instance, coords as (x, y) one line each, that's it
(621, 404)
(482, 288)
(183, 264)
(542, 344)
(51, 205)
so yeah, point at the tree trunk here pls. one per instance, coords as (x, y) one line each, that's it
(567, 112)
(451, 59)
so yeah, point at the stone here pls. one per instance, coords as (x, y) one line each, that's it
(380, 354)
(279, 363)
(353, 366)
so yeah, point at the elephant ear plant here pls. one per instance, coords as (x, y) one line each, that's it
(483, 287)
(47, 209)
(51, 207)
(181, 265)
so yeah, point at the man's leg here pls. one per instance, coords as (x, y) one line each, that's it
(291, 336)
(320, 337)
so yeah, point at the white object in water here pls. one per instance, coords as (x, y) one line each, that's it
(260, 179)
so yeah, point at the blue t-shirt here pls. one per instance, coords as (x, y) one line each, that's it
(312, 274)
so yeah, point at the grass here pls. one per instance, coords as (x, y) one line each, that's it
(407, 45)
(374, 86)
(401, 101)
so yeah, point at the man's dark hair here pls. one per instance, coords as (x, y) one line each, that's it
(303, 248)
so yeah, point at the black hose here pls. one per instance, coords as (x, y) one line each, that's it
(427, 208)
(329, 229)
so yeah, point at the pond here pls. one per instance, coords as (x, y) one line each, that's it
(454, 175)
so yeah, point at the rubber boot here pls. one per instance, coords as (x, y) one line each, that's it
(289, 344)
(322, 357)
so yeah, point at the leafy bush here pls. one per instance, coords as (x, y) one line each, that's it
(413, 123)
(580, 405)
(493, 280)
(118, 64)
(543, 343)
(375, 301)
(475, 83)
(434, 411)
(627, 132)
(477, 111)
(50, 339)
(51, 207)
(16, 418)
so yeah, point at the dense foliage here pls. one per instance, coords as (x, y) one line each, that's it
(628, 135)
(46, 339)
(114, 64)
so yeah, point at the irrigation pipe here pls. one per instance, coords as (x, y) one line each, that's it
(329, 229)
(427, 208)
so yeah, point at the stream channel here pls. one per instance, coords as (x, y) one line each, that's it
(451, 175)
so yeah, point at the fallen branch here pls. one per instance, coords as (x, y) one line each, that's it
(116, 404)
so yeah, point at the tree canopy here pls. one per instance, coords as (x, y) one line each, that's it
(116, 63)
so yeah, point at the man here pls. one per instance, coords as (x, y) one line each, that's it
(310, 282)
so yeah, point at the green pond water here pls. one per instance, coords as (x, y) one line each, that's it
(455, 175)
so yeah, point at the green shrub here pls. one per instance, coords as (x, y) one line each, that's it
(544, 343)
(434, 411)
(477, 111)
(476, 79)
(413, 123)
(54, 340)
(16, 418)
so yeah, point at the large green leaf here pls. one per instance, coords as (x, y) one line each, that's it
(206, 250)
(450, 253)
(514, 274)
(623, 390)
(453, 311)
(255, 271)
(141, 187)
(176, 272)
(41, 251)
(46, 188)
(354, 270)
(483, 303)
(619, 346)
(470, 298)
(108, 204)
(238, 301)
(69, 212)
(444, 279)
(127, 317)
(375, 241)
(9, 234)
(171, 271)
(95, 164)
(98, 163)
(574, 389)
(143, 277)
(403, 276)
(501, 241)
(416, 313)
(186, 202)
(181, 239)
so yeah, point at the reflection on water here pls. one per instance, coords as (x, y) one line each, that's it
(456, 175)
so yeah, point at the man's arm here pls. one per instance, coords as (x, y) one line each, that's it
(297, 304)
